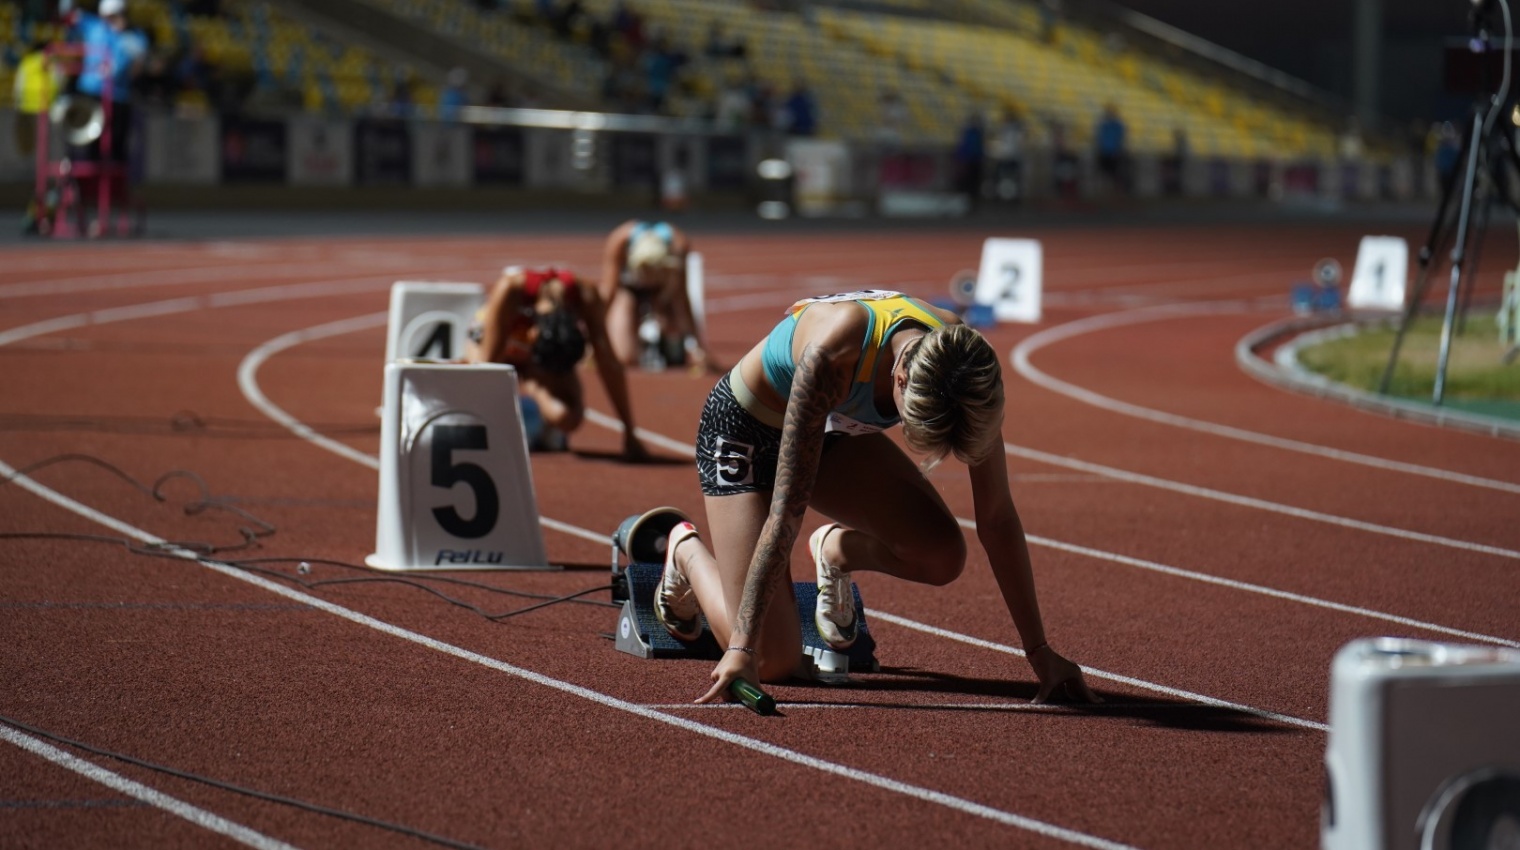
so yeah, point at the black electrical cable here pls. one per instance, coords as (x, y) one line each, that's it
(239, 789)
(180, 423)
(491, 588)
(251, 539)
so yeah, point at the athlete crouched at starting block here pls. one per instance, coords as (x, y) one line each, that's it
(798, 423)
(644, 287)
(540, 321)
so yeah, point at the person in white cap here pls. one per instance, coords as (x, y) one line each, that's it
(113, 56)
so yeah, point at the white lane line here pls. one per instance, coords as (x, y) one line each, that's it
(318, 289)
(1103, 674)
(219, 274)
(157, 799)
(602, 419)
(927, 795)
(1233, 584)
(247, 378)
(48, 326)
(1013, 707)
(1252, 502)
(605, 421)
(1108, 321)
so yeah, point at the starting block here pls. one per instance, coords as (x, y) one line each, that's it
(430, 320)
(456, 488)
(640, 634)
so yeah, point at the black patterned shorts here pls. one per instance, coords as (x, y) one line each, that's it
(737, 453)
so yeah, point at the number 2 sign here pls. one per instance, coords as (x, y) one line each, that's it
(1009, 279)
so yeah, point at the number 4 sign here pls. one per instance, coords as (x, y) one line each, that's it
(1382, 267)
(428, 320)
(1010, 278)
(456, 489)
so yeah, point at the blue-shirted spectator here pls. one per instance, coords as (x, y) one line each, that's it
(113, 55)
(970, 154)
(1110, 141)
(801, 112)
(455, 95)
(112, 52)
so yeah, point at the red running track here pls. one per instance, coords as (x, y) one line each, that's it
(1204, 575)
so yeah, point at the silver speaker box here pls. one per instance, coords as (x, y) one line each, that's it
(1424, 747)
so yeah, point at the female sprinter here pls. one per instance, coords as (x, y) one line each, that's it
(644, 280)
(539, 322)
(797, 424)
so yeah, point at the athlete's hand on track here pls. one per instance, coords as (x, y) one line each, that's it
(733, 665)
(633, 448)
(1059, 677)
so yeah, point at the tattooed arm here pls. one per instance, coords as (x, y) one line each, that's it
(821, 382)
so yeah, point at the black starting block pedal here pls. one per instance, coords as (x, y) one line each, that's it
(639, 633)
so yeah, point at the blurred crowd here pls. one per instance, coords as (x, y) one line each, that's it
(647, 73)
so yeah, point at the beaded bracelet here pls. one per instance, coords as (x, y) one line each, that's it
(750, 651)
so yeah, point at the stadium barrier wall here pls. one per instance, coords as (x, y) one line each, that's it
(590, 154)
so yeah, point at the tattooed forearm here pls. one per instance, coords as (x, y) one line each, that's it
(816, 388)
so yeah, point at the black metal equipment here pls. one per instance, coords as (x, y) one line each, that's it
(1486, 166)
(642, 539)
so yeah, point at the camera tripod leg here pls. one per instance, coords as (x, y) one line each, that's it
(1458, 256)
(1435, 243)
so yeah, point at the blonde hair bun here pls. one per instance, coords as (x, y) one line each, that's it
(953, 401)
(649, 249)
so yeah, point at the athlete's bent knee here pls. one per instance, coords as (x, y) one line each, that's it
(939, 558)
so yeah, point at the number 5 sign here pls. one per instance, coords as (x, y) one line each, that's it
(456, 488)
(1009, 279)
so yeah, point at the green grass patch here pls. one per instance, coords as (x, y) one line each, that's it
(1477, 377)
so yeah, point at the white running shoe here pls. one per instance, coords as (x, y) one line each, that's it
(835, 612)
(675, 604)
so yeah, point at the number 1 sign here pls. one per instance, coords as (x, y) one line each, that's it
(1382, 267)
(456, 488)
(1010, 279)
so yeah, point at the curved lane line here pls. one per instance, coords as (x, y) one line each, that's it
(157, 799)
(1107, 321)
(248, 383)
(874, 780)
(927, 795)
(613, 424)
(1253, 502)
(172, 277)
(277, 293)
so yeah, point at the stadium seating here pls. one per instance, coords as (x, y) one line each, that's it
(1217, 117)
(255, 39)
(570, 68)
(942, 70)
(1069, 82)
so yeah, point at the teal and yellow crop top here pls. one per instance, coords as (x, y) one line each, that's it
(886, 312)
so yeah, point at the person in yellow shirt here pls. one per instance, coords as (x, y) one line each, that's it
(36, 85)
